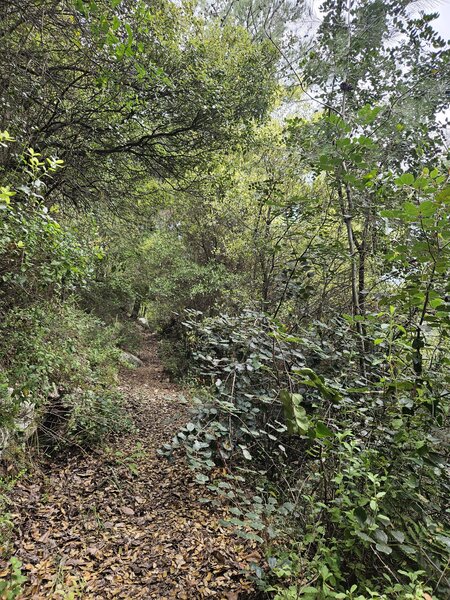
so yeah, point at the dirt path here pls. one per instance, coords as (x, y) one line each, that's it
(124, 522)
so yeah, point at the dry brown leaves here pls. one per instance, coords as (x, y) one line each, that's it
(124, 522)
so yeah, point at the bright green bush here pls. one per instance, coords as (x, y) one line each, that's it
(39, 258)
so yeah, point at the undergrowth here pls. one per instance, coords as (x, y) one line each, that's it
(342, 481)
(59, 365)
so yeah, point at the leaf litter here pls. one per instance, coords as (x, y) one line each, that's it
(124, 522)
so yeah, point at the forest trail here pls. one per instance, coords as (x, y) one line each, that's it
(124, 522)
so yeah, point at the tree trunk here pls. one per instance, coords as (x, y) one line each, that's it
(136, 309)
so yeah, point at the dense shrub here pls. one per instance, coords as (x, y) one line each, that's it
(63, 362)
(39, 258)
(349, 476)
(57, 364)
(176, 282)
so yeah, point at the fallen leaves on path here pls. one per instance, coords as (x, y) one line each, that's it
(123, 522)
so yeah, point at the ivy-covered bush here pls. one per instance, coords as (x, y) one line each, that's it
(243, 365)
(349, 476)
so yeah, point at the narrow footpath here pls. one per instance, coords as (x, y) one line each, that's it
(123, 522)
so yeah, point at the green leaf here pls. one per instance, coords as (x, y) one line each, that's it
(315, 381)
(301, 418)
(381, 536)
(398, 535)
(444, 195)
(250, 536)
(427, 208)
(436, 302)
(309, 590)
(365, 537)
(408, 549)
(411, 210)
(421, 183)
(360, 514)
(295, 415)
(246, 454)
(381, 547)
(406, 179)
(367, 114)
(202, 479)
(322, 431)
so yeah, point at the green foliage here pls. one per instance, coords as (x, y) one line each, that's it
(57, 364)
(150, 92)
(63, 363)
(341, 459)
(176, 282)
(12, 586)
(299, 270)
(38, 257)
(412, 590)
(174, 355)
(128, 460)
(242, 362)
(92, 416)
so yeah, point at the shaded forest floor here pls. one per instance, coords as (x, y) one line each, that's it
(123, 522)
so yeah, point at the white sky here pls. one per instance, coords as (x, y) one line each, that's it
(443, 23)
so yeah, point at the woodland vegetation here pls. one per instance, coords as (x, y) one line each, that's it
(274, 199)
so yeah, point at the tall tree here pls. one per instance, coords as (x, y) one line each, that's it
(379, 77)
